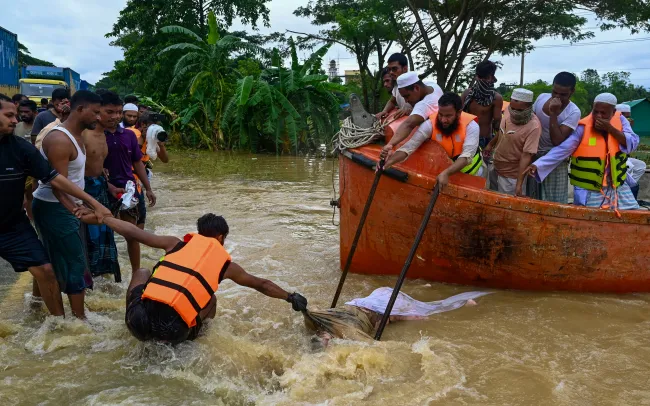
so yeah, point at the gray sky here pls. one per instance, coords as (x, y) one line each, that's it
(71, 33)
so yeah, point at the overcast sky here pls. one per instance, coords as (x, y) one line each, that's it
(71, 33)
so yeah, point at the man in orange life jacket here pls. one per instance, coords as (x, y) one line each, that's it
(171, 304)
(599, 149)
(457, 132)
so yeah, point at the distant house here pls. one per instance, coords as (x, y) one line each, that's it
(641, 116)
(352, 76)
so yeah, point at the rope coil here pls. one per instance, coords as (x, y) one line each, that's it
(352, 136)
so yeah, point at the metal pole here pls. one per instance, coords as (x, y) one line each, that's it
(523, 54)
(407, 264)
(366, 209)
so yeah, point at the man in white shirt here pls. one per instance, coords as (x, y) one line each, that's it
(559, 117)
(456, 131)
(425, 99)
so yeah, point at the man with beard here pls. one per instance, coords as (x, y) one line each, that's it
(60, 99)
(598, 148)
(27, 112)
(559, 117)
(456, 131)
(484, 102)
(124, 159)
(387, 80)
(19, 244)
(397, 65)
(53, 210)
(515, 144)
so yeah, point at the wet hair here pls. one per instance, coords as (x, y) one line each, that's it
(110, 98)
(43, 101)
(385, 72)
(131, 99)
(400, 58)
(411, 87)
(84, 98)
(4, 98)
(486, 69)
(451, 99)
(17, 97)
(211, 225)
(566, 79)
(60, 94)
(31, 104)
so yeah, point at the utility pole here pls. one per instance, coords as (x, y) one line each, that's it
(523, 54)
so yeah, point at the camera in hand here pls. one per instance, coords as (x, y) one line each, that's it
(162, 136)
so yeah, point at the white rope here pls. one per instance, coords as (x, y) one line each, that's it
(353, 136)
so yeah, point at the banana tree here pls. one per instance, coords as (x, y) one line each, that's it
(204, 69)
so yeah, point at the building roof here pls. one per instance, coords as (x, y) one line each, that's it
(635, 102)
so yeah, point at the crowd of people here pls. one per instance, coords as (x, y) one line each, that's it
(523, 147)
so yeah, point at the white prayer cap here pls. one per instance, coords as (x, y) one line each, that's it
(606, 98)
(623, 108)
(130, 107)
(407, 79)
(523, 95)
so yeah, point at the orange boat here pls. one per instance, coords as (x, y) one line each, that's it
(483, 238)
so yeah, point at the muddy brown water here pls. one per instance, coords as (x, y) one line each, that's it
(514, 348)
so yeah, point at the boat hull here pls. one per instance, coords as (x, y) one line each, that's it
(482, 238)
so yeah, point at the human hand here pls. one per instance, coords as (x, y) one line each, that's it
(443, 180)
(603, 125)
(101, 212)
(518, 189)
(402, 113)
(487, 152)
(116, 192)
(555, 106)
(381, 115)
(298, 302)
(386, 151)
(151, 197)
(530, 171)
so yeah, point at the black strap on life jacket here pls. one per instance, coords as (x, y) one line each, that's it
(179, 288)
(189, 271)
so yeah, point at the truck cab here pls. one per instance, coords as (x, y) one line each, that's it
(37, 89)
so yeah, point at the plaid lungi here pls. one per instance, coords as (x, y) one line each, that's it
(555, 188)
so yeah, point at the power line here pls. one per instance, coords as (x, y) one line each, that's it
(584, 44)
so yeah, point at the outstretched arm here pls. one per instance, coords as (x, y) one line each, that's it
(402, 132)
(132, 232)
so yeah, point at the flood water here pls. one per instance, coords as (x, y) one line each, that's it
(514, 348)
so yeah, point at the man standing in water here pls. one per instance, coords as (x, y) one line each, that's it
(19, 244)
(60, 230)
(171, 304)
(559, 117)
(484, 102)
(123, 159)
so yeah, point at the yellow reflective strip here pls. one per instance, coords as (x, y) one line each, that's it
(592, 141)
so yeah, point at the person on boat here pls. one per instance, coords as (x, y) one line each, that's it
(483, 101)
(559, 117)
(599, 149)
(19, 244)
(457, 132)
(359, 318)
(515, 145)
(626, 111)
(387, 80)
(397, 65)
(172, 303)
(424, 98)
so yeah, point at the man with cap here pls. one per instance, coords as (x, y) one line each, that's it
(456, 131)
(515, 144)
(626, 111)
(599, 149)
(130, 116)
(559, 117)
(424, 98)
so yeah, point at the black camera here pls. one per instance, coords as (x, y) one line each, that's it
(157, 117)
(162, 136)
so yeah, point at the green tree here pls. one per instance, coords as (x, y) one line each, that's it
(205, 67)
(285, 108)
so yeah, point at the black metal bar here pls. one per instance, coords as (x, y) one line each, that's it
(353, 248)
(407, 264)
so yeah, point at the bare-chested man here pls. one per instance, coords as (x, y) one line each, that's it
(484, 102)
(100, 240)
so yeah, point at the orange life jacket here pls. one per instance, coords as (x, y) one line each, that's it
(143, 147)
(187, 279)
(594, 154)
(453, 144)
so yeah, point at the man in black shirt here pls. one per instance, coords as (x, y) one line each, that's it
(19, 244)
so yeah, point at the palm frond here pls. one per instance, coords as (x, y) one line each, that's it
(213, 32)
(295, 64)
(177, 29)
(197, 80)
(183, 45)
(244, 90)
(315, 59)
(185, 59)
(180, 75)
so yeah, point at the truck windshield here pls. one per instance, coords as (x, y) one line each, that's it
(38, 89)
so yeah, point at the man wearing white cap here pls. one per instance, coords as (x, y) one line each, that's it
(424, 98)
(598, 149)
(515, 144)
(626, 111)
(458, 134)
(130, 115)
